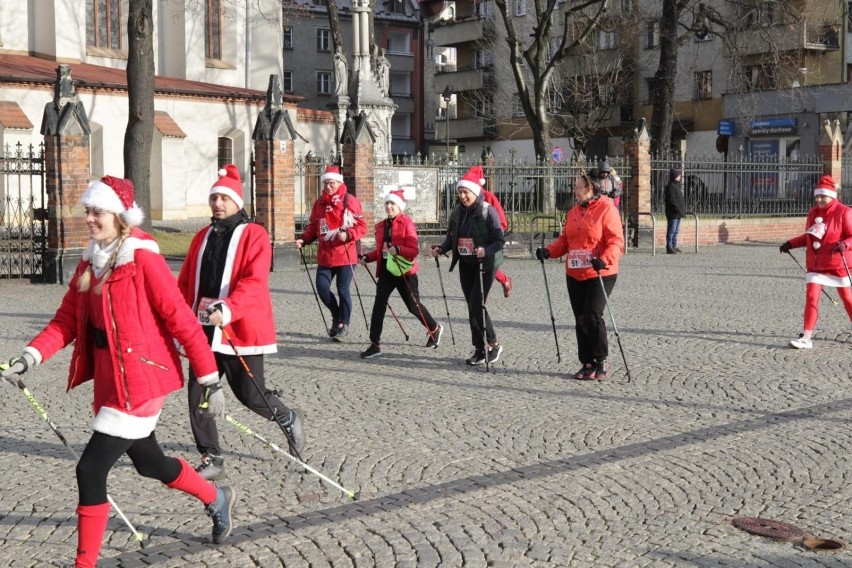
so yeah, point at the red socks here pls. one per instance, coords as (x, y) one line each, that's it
(190, 481)
(91, 525)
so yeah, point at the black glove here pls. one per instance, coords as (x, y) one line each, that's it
(542, 253)
(598, 264)
(785, 247)
(840, 246)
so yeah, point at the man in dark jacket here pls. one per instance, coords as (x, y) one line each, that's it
(675, 210)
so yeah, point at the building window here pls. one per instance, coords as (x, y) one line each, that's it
(213, 30)
(518, 108)
(849, 16)
(606, 39)
(323, 82)
(225, 152)
(653, 35)
(520, 7)
(288, 37)
(399, 42)
(323, 39)
(703, 85)
(400, 84)
(649, 90)
(759, 77)
(626, 7)
(288, 82)
(395, 6)
(103, 23)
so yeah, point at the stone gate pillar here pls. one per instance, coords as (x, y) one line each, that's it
(66, 132)
(637, 148)
(359, 165)
(830, 150)
(275, 170)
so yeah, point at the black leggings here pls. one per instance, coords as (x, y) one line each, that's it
(103, 451)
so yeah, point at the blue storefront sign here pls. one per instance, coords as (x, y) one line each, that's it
(773, 127)
(726, 128)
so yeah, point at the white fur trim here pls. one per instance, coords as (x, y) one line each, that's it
(229, 192)
(102, 196)
(36, 354)
(332, 176)
(116, 423)
(473, 187)
(824, 191)
(827, 280)
(133, 216)
(395, 199)
(127, 251)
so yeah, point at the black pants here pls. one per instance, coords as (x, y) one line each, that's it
(203, 427)
(588, 304)
(407, 287)
(469, 278)
(103, 451)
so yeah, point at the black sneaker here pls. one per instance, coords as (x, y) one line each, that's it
(295, 433)
(340, 332)
(601, 370)
(494, 352)
(332, 331)
(477, 358)
(220, 512)
(585, 373)
(435, 336)
(372, 351)
(212, 466)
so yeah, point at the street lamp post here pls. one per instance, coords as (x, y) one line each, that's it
(447, 95)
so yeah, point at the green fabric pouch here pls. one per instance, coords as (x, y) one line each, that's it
(398, 265)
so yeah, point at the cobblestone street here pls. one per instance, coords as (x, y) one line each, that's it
(457, 466)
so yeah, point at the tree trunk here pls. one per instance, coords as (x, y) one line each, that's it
(139, 135)
(542, 146)
(665, 78)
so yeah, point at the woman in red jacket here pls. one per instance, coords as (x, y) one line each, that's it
(396, 253)
(123, 312)
(592, 241)
(828, 240)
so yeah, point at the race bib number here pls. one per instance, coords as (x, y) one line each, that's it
(203, 316)
(323, 226)
(465, 246)
(817, 229)
(579, 259)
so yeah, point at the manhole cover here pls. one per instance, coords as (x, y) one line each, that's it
(769, 528)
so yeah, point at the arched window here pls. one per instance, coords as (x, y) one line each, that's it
(225, 152)
(103, 24)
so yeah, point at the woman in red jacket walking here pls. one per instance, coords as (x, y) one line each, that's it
(828, 240)
(396, 253)
(592, 241)
(123, 312)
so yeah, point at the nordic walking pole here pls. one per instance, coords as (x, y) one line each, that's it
(355, 280)
(415, 300)
(482, 294)
(311, 280)
(550, 306)
(20, 384)
(846, 266)
(246, 430)
(389, 306)
(614, 327)
(796, 260)
(444, 294)
(262, 394)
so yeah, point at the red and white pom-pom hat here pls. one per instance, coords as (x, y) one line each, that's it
(116, 195)
(230, 184)
(473, 180)
(397, 196)
(332, 173)
(826, 186)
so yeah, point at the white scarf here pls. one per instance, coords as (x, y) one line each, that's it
(101, 256)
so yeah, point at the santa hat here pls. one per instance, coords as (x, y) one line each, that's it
(332, 173)
(230, 184)
(826, 186)
(473, 180)
(115, 195)
(396, 196)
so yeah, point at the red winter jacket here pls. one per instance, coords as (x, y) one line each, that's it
(595, 227)
(245, 289)
(838, 227)
(331, 251)
(403, 235)
(144, 311)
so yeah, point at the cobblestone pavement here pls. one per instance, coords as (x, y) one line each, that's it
(516, 467)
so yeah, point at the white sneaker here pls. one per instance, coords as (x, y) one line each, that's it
(802, 343)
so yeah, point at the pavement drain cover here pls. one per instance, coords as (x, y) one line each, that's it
(769, 528)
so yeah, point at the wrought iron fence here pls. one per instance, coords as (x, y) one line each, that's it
(23, 235)
(740, 186)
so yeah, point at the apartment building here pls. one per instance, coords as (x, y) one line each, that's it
(309, 62)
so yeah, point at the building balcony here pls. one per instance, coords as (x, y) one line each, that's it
(464, 80)
(460, 31)
(803, 35)
(464, 128)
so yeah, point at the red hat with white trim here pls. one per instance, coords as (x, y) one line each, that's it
(230, 184)
(332, 173)
(116, 195)
(396, 196)
(826, 186)
(473, 180)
